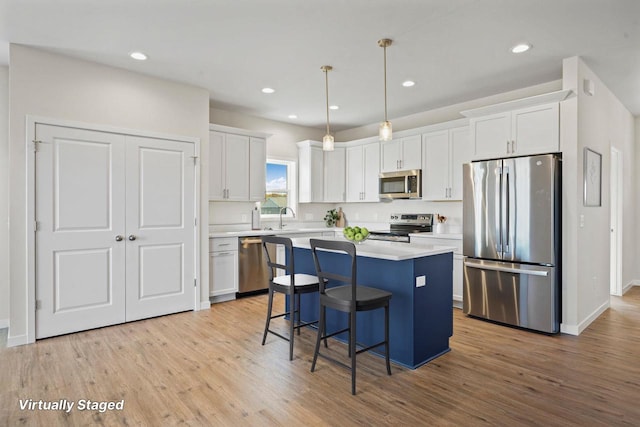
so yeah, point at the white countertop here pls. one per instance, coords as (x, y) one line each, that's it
(393, 251)
(452, 236)
(277, 231)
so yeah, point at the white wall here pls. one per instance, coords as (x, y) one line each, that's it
(4, 197)
(597, 122)
(55, 86)
(281, 145)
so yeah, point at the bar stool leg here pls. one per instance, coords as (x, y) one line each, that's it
(386, 338)
(269, 307)
(352, 349)
(292, 321)
(321, 332)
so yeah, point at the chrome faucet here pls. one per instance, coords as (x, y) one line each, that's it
(283, 210)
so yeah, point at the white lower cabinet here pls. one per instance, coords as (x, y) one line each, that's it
(457, 261)
(223, 268)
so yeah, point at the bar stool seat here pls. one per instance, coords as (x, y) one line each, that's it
(291, 284)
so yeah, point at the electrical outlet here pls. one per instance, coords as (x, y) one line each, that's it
(581, 221)
(421, 281)
(244, 219)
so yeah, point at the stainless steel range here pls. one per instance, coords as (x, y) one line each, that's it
(401, 225)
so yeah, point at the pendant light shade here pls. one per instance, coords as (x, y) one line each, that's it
(327, 140)
(385, 131)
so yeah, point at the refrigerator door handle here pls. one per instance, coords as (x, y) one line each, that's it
(471, 264)
(498, 218)
(507, 213)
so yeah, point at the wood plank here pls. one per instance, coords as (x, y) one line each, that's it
(208, 368)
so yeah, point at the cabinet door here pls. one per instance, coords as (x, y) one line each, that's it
(257, 168)
(411, 153)
(237, 167)
(390, 154)
(334, 175)
(216, 166)
(460, 153)
(224, 272)
(435, 174)
(317, 174)
(371, 155)
(491, 135)
(536, 130)
(355, 174)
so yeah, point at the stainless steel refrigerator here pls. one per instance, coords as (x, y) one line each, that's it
(511, 241)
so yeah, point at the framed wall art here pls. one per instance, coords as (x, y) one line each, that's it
(592, 178)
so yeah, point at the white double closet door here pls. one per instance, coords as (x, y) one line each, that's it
(115, 228)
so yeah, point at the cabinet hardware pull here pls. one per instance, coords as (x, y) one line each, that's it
(118, 238)
(132, 237)
(507, 147)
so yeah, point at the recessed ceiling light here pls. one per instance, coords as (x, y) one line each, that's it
(293, 116)
(334, 107)
(522, 47)
(138, 55)
(267, 90)
(408, 83)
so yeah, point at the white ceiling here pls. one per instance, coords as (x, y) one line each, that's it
(455, 50)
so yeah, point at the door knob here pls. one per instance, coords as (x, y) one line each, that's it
(132, 237)
(118, 238)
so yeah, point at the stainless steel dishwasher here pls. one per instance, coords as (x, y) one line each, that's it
(253, 276)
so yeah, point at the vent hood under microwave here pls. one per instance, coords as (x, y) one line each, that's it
(401, 184)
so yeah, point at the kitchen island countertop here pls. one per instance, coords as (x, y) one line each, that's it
(392, 251)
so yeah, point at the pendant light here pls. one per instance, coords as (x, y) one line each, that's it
(327, 140)
(385, 127)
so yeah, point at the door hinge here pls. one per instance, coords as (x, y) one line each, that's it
(195, 222)
(36, 226)
(195, 283)
(38, 304)
(195, 159)
(35, 145)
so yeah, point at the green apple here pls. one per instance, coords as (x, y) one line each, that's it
(356, 229)
(364, 231)
(358, 237)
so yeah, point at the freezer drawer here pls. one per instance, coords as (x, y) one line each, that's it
(516, 294)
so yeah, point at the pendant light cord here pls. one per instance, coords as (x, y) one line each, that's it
(385, 83)
(326, 85)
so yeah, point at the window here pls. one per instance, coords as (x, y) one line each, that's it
(280, 188)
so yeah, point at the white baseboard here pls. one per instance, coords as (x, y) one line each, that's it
(18, 340)
(205, 305)
(4, 323)
(630, 285)
(580, 327)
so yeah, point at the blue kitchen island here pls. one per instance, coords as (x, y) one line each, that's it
(421, 310)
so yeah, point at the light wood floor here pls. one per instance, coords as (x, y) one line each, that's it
(208, 368)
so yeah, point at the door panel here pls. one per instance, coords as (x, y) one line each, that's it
(530, 225)
(160, 227)
(481, 210)
(516, 294)
(80, 211)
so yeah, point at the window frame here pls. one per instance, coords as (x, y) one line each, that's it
(291, 190)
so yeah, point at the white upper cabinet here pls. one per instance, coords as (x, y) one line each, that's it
(531, 130)
(401, 154)
(237, 167)
(334, 175)
(257, 168)
(444, 153)
(363, 169)
(310, 172)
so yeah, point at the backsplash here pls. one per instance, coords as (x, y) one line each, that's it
(238, 214)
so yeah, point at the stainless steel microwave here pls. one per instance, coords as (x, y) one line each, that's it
(401, 184)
